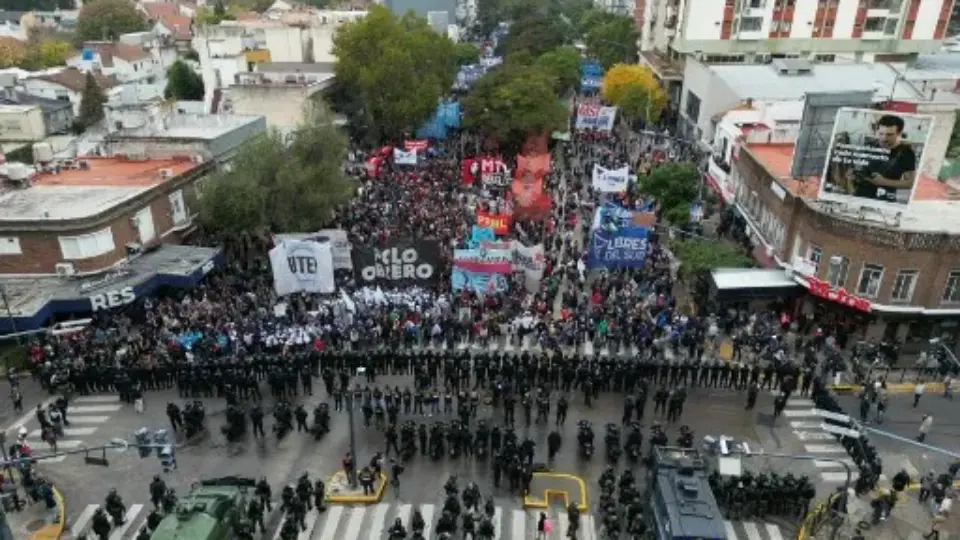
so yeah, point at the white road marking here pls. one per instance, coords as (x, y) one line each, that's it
(88, 419)
(27, 416)
(61, 445)
(96, 399)
(426, 511)
(753, 533)
(518, 526)
(356, 522)
(404, 512)
(310, 520)
(80, 525)
(799, 413)
(67, 432)
(731, 530)
(588, 531)
(333, 515)
(838, 477)
(822, 464)
(799, 402)
(801, 424)
(824, 449)
(379, 519)
(497, 526)
(773, 532)
(83, 409)
(130, 516)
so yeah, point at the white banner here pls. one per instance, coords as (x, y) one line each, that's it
(302, 266)
(610, 180)
(532, 261)
(403, 157)
(591, 116)
(339, 244)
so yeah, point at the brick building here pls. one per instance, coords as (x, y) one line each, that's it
(95, 233)
(885, 275)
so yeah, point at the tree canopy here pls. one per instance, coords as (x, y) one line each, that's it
(108, 19)
(698, 255)
(46, 53)
(12, 52)
(563, 64)
(611, 39)
(466, 53)
(635, 89)
(183, 83)
(91, 103)
(674, 186)
(398, 68)
(281, 183)
(536, 34)
(39, 5)
(513, 101)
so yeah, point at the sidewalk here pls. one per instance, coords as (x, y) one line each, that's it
(909, 520)
(35, 521)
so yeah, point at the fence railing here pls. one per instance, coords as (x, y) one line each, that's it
(816, 518)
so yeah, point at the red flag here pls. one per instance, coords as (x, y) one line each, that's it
(469, 171)
(418, 145)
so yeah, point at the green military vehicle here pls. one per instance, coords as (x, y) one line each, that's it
(213, 510)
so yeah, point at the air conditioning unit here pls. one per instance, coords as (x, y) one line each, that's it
(198, 159)
(166, 174)
(65, 269)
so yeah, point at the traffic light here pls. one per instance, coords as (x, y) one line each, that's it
(160, 439)
(142, 436)
(168, 458)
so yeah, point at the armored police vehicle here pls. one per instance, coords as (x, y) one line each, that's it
(213, 510)
(682, 505)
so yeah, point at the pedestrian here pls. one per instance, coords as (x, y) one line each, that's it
(926, 486)
(138, 400)
(935, 527)
(543, 527)
(925, 427)
(918, 393)
(17, 398)
(948, 387)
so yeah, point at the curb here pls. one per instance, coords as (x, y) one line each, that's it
(357, 499)
(894, 388)
(542, 503)
(54, 530)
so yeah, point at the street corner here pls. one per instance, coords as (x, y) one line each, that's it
(339, 490)
(547, 485)
(37, 522)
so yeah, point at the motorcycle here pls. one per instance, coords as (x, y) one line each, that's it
(612, 440)
(321, 421)
(585, 439)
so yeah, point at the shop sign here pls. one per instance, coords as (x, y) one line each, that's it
(822, 289)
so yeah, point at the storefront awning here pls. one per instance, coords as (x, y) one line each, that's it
(733, 279)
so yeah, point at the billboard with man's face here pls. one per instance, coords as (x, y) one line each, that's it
(874, 157)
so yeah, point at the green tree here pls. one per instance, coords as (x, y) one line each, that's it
(513, 101)
(91, 102)
(489, 14)
(398, 69)
(466, 53)
(108, 19)
(183, 83)
(612, 41)
(563, 64)
(953, 147)
(674, 186)
(219, 9)
(46, 53)
(698, 256)
(281, 183)
(535, 34)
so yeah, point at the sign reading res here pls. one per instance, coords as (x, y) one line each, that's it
(112, 299)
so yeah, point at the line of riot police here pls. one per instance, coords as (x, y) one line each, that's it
(620, 507)
(616, 445)
(758, 496)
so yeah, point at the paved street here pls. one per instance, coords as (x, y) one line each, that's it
(97, 419)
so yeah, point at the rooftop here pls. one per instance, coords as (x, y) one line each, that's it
(21, 98)
(190, 126)
(933, 208)
(942, 66)
(295, 67)
(169, 15)
(124, 51)
(77, 193)
(74, 79)
(27, 296)
(764, 82)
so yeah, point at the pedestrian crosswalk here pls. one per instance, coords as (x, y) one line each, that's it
(86, 414)
(805, 423)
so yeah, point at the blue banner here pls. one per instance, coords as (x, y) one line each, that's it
(481, 234)
(612, 216)
(446, 117)
(479, 282)
(591, 75)
(624, 248)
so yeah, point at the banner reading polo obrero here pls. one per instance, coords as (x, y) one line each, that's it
(404, 157)
(400, 262)
(593, 116)
(529, 200)
(874, 158)
(610, 180)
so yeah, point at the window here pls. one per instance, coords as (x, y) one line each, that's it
(693, 106)
(87, 246)
(815, 255)
(146, 231)
(177, 209)
(874, 24)
(785, 26)
(837, 275)
(890, 27)
(870, 278)
(825, 58)
(751, 24)
(10, 245)
(828, 24)
(755, 4)
(904, 285)
(951, 292)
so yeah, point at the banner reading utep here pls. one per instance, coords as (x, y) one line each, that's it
(532, 261)
(590, 116)
(500, 223)
(530, 201)
(497, 261)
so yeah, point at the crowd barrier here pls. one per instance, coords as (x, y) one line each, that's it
(816, 518)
